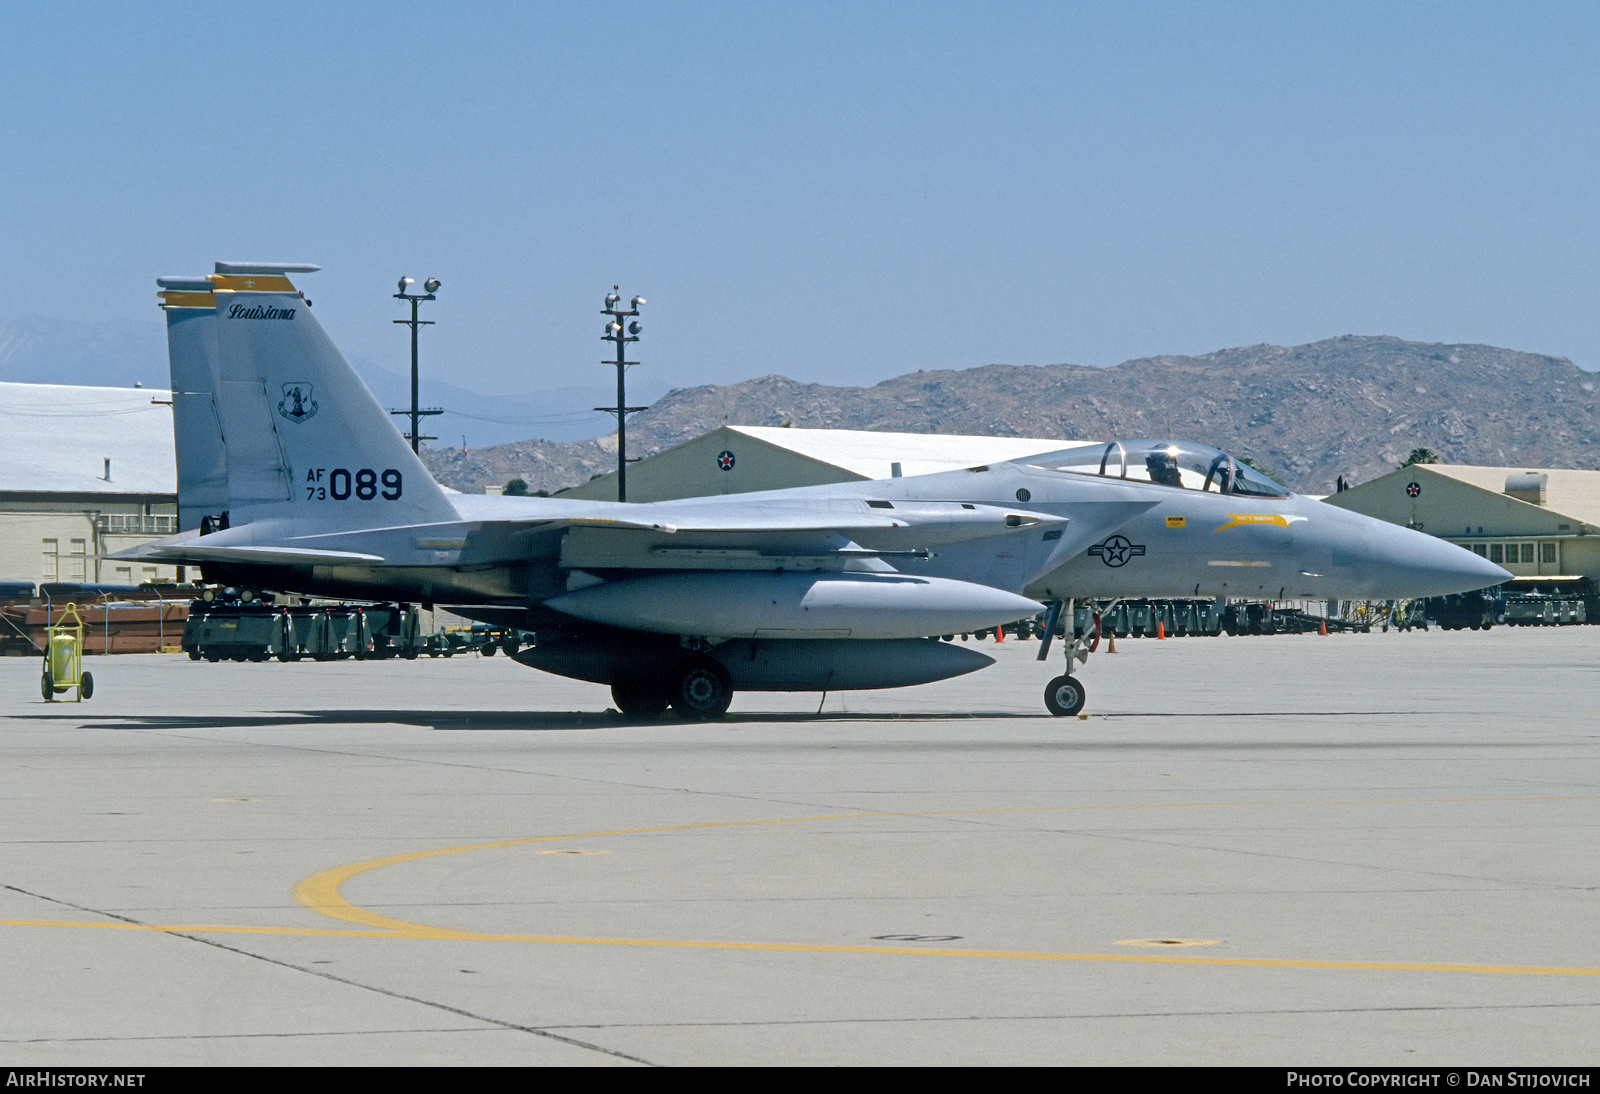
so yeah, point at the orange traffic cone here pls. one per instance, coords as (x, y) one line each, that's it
(1111, 642)
(999, 634)
(1323, 630)
(1161, 629)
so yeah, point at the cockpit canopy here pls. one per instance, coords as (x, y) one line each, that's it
(1181, 464)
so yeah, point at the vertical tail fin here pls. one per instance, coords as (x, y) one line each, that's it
(192, 350)
(303, 436)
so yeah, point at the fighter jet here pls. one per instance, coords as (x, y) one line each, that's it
(292, 478)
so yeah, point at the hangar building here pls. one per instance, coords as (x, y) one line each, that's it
(1532, 521)
(84, 471)
(737, 459)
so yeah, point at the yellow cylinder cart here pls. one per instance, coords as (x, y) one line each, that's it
(63, 658)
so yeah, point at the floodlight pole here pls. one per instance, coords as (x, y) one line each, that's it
(416, 414)
(616, 333)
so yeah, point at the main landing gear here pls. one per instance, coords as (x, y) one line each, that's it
(701, 690)
(638, 700)
(698, 690)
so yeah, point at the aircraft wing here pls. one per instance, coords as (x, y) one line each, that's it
(746, 537)
(889, 523)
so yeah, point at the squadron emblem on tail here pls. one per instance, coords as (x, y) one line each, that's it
(297, 404)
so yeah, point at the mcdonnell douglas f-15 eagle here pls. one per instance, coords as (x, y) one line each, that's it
(292, 478)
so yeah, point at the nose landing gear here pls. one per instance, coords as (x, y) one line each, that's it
(1064, 696)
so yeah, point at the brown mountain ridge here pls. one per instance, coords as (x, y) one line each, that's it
(1352, 406)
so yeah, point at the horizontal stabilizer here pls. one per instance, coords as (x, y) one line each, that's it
(195, 551)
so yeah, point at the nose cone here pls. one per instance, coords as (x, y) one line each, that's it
(1409, 565)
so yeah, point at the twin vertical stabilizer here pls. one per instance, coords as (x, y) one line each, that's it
(271, 421)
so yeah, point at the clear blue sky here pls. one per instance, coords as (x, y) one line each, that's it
(836, 192)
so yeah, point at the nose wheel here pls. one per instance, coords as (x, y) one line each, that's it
(1064, 696)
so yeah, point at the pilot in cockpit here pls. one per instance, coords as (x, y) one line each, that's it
(1163, 467)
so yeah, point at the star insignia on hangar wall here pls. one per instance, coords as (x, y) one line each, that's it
(725, 460)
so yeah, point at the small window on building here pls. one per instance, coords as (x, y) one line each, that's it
(125, 575)
(1495, 553)
(52, 559)
(1527, 553)
(1479, 549)
(80, 559)
(1547, 553)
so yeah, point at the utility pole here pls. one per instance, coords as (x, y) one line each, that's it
(416, 413)
(615, 333)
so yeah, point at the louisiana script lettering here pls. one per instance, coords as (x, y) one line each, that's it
(239, 311)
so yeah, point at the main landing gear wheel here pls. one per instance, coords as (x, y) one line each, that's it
(639, 700)
(1064, 696)
(700, 690)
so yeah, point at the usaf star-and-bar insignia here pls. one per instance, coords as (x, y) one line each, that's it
(1116, 550)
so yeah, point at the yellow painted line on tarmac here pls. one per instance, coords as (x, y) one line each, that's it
(426, 933)
(321, 892)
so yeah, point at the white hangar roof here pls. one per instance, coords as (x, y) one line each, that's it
(55, 439)
(1463, 502)
(1573, 492)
